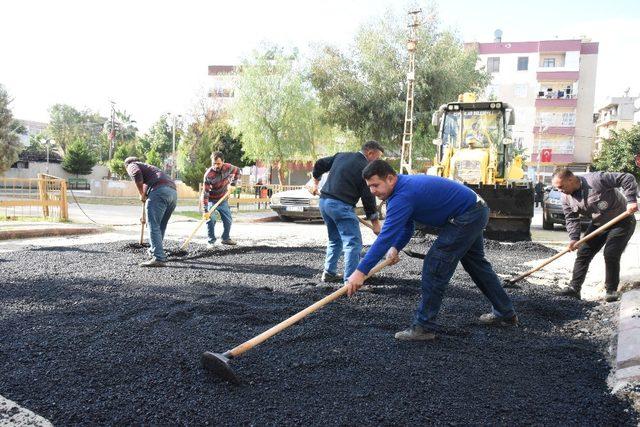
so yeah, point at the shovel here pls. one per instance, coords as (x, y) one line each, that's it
(218, 363)
(143, 221)
(182, 249)
(511, 282)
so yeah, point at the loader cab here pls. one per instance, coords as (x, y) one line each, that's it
(471, 130)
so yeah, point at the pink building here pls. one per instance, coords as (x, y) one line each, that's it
(551, 86)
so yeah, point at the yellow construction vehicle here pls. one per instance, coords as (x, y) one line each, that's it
(474, 146)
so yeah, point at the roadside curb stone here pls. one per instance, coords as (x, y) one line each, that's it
(12, 414)
(31, 233)
(628, 350)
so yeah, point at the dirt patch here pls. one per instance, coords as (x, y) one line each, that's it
(88, 337)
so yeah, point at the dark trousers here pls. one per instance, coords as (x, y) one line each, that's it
(460, 240)
(614, 241)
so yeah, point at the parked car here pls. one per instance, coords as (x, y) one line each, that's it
(552, 210)
(298, 204)
(291, 205)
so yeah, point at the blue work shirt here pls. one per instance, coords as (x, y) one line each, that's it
(431, 200)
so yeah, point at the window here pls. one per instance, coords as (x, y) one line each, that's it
(549, 62)
(523, 63)
(493, 64)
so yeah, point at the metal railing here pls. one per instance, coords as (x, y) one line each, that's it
(42, 197)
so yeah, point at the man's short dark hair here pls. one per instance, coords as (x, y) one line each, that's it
(372, 145)
(378, 167)
(130, 160)
(217, 155)
(563, 174)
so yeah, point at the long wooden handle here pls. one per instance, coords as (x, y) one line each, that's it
(143, 221)
(586, 238)
(202, 221)
(365, 223)
(248, 345)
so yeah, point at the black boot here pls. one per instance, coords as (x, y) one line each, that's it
(569, 291)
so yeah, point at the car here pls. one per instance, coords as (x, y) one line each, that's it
(552, 212)
(300, 204)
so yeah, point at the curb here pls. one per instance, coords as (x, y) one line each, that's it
(48, 232)
(628, 351)
(12, 414)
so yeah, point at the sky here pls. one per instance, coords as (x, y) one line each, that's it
(151, 57)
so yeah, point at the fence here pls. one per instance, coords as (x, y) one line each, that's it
(256, 197)
(43, 197)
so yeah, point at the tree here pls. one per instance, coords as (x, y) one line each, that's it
(207, 134)
(10, 146)
(78, 159)
(153, 158)
(363, 89)
(67, 124)
(273, 97)
(618, 151)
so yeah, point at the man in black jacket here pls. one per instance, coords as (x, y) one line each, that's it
(338, 197)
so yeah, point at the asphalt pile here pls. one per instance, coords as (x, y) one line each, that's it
(88, 337)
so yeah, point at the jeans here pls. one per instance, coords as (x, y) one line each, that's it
(225, 214)
(460, 240)
(343, 229)
(614, 241)
(160, 205)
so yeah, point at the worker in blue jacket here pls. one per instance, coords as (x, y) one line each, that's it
(461, 215)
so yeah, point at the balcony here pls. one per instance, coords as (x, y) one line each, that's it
(555, 130)
(555, 159)
(549, 74)
(556, 102)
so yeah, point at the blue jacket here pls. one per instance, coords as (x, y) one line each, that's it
(431, 200)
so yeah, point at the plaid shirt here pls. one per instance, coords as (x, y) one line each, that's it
(216, 182)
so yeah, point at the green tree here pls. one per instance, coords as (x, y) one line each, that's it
(363, 89)
(10, 129)
(273, 98)
(67, 124)
(618, 151)
(207, 134)
(78, 159)
(116, 165)
(153, 158)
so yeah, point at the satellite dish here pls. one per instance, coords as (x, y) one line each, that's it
(498, 33)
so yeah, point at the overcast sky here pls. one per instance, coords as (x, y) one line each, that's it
(152, 57)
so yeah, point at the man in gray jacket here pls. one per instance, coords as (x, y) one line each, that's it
(595, 195)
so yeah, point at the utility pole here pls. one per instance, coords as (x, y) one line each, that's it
(407, 134)
(112, 135)
(174, 164)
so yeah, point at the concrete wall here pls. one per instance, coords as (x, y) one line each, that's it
(55, 169)
(110, 188)
(585, 128)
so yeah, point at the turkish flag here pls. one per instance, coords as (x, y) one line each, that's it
(545, 155)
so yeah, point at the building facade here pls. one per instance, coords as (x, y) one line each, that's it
(224, 80)
(617, 114)
(551, 86)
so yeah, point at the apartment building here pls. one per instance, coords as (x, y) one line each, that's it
(223, 85)
(616, 114)
(551, 86)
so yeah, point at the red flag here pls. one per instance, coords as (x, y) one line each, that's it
(112, 135)
(637, 160)
(545, 155)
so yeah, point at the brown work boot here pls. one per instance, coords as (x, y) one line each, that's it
(229, 242)
(492, 319)
(415, 333)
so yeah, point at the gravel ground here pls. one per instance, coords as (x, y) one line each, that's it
(89, 338)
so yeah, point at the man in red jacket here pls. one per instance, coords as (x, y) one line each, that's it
(216, 180)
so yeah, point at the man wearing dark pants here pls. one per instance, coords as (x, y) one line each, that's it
(159, 193)
(539, 190)
(219, 178)
(338, 197)
(596, 196)
(461, 217)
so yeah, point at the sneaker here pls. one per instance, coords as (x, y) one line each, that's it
(229, 242)
(492, 319)
(211, 245)
(331, 278)
(152, 263)
(612, 296)
(569, 291)
(415, 333)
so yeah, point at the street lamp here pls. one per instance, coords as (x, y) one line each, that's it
(47, 141)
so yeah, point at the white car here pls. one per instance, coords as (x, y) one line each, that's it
(301, 204)
(298, 204)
